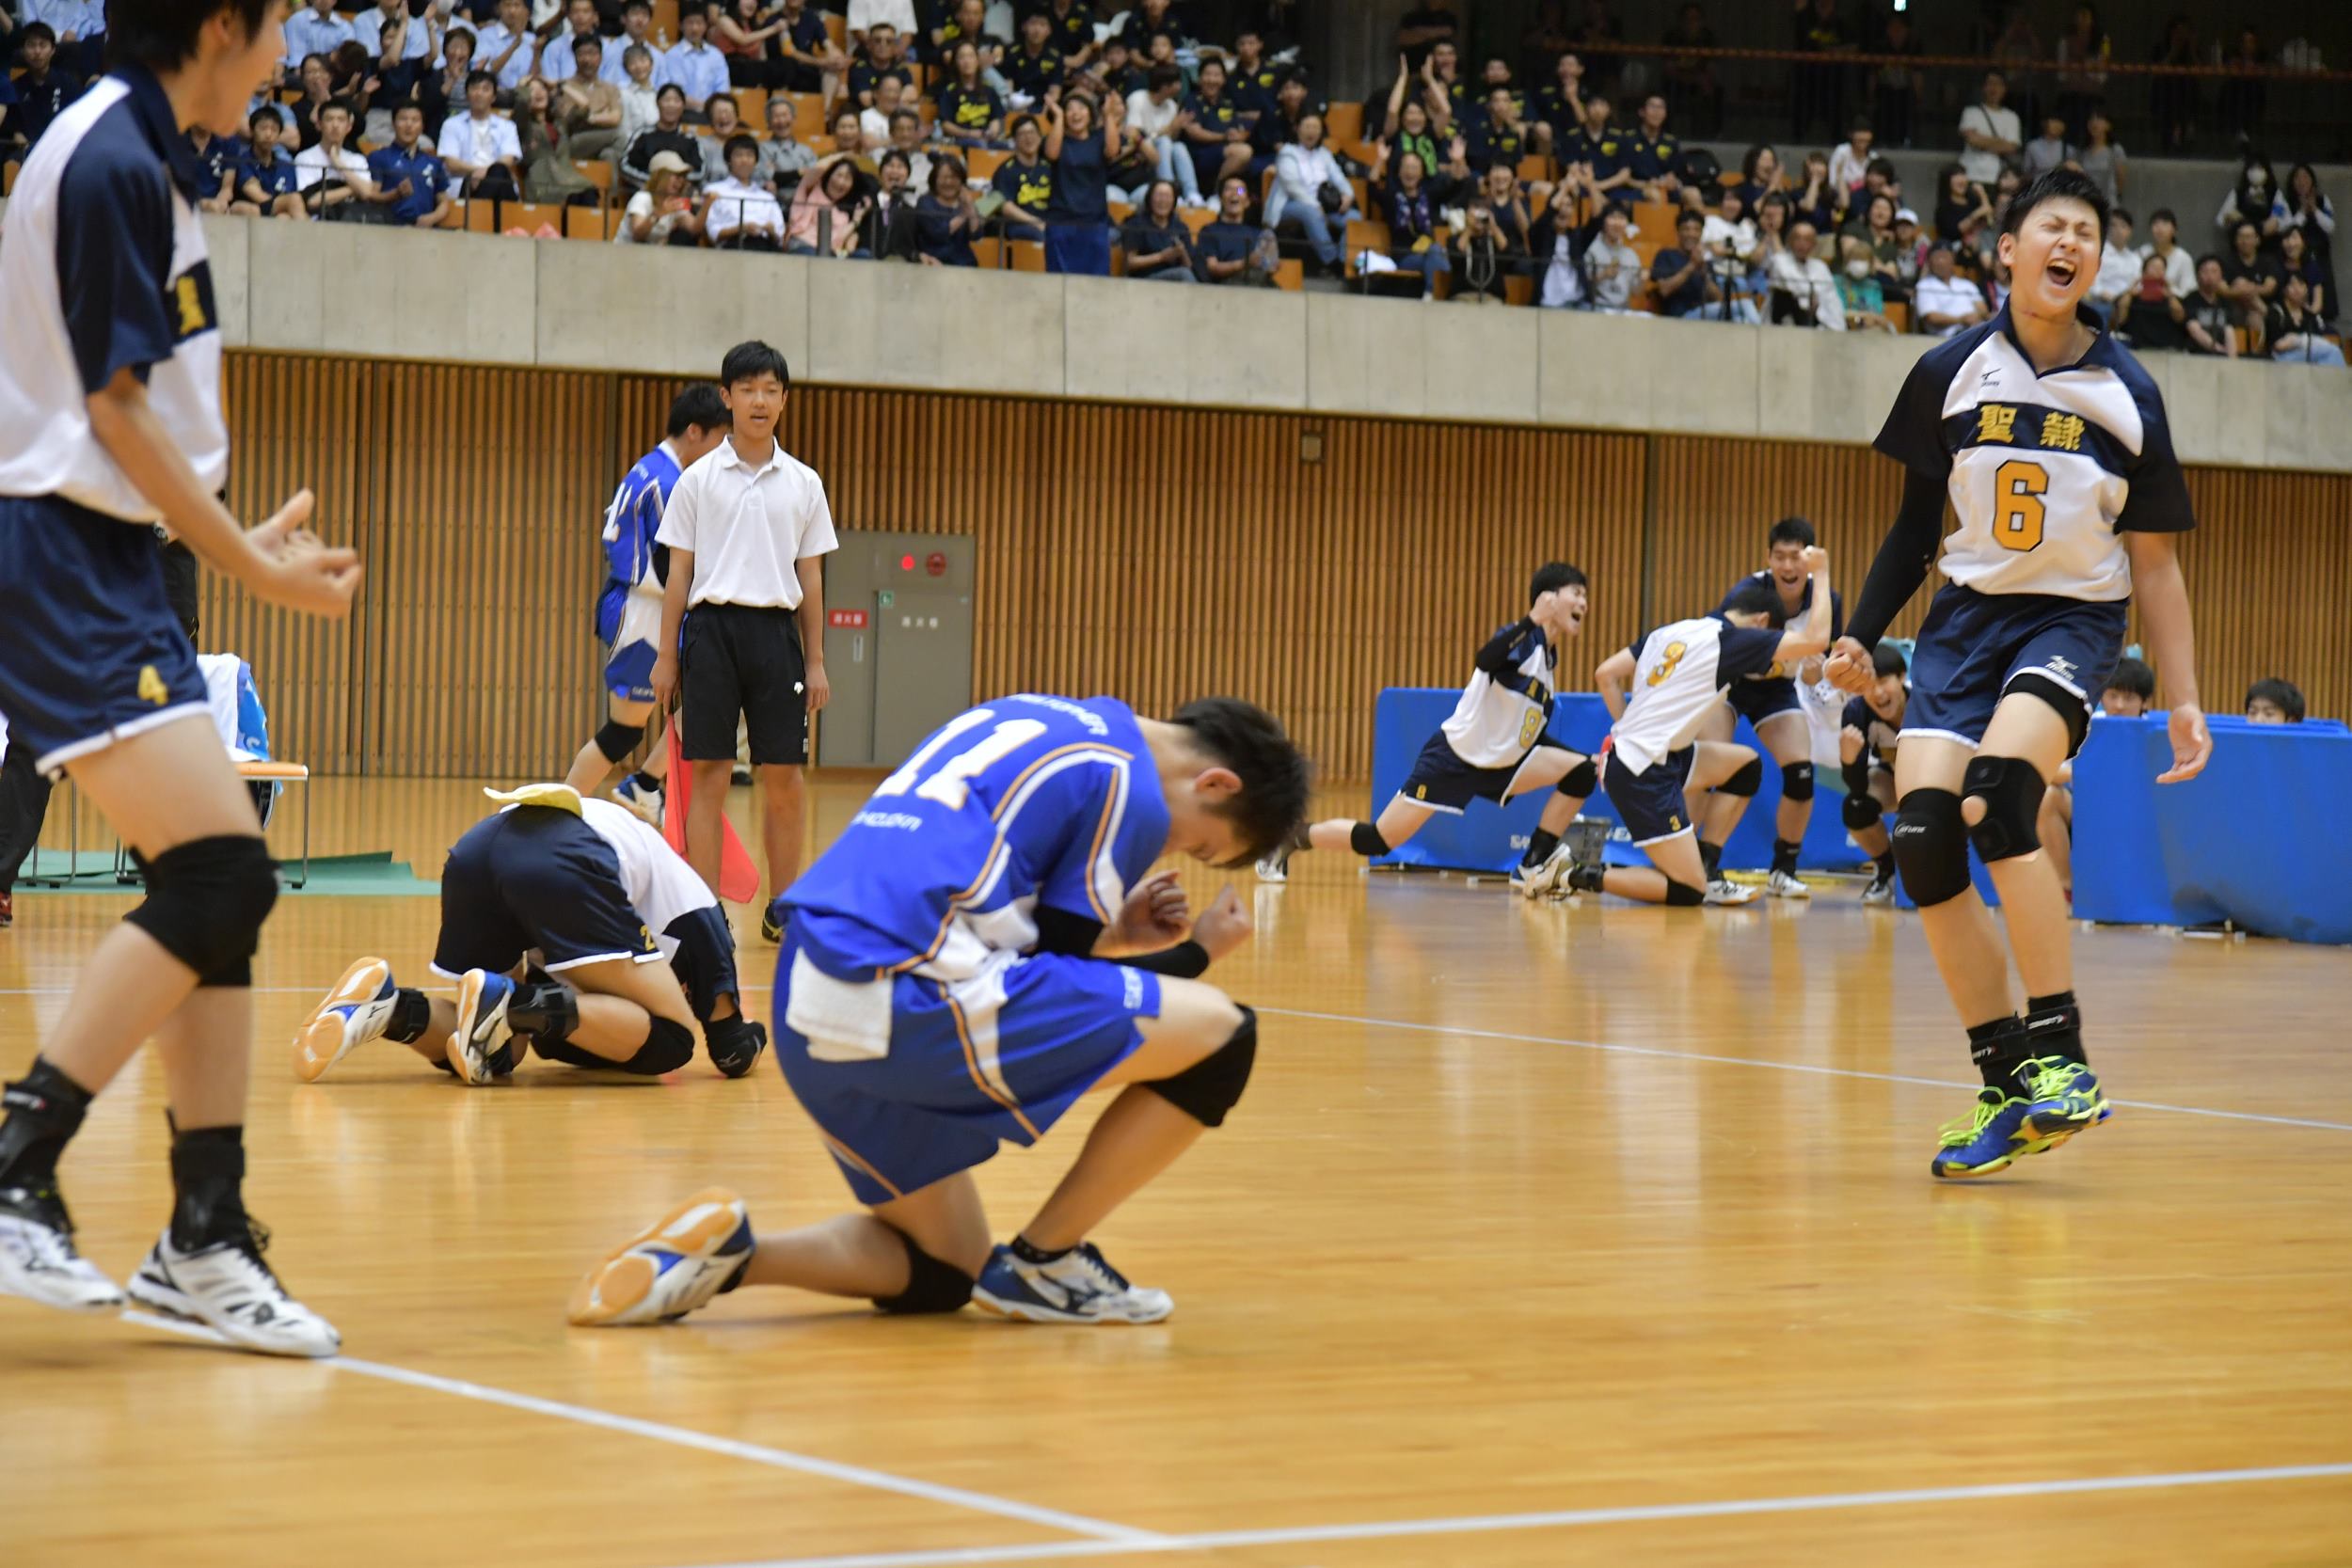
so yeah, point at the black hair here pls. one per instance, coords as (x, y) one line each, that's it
(1161, 76)
(733, 103)
(745, 361)
(2163, 214)
(2123, 213)
(37, 30)
(2132, 675)
(1274, 777)
(1887, 659)
(1552, 577)
(897, 156)
(2241, 226)
(1758, 598)
(587, 41)
(343, 103)
(645, 6)
(739, 139)
(268, 112)
(667, 87)
(2276, 689)
(941, 165)
(898, 115)
(1884, 168)
(2058, 184)
(161, 34)
(2208, 256)
(699, 406)
(1018, 121)
(475, 78)
(1791, 531)
(1862, 123)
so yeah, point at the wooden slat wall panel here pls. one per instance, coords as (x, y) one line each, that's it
(1156, 553)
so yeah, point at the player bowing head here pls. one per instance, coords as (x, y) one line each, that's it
(1236, 784)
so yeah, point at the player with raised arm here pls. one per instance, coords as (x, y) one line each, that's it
(2050, 441)
(1661, 692)
(629, 612)
(983, 944)
(1494, 748)
(1866, 735)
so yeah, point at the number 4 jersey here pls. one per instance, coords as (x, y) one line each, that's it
(2043, 471)
(1030, 799)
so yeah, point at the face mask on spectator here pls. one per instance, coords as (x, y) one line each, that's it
(1858, 267)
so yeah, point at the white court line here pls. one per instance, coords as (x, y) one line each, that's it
(1776, 1067)
(1482, 1524)
(782, 1459)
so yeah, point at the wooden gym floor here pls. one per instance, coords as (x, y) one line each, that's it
(1581, 1234)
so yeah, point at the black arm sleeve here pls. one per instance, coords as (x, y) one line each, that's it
(1186, 960)
(1495, 657)
(1902, 560)
(1074, 936)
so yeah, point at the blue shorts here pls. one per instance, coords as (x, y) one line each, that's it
(1756, 699)
(1441, 781)
(535, 878)
(628, 641)
(90, 652)
(967, 1067)
(1650, 803)
(1973, 644)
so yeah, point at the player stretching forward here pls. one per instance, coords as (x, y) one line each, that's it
(1494, 748)
(1769, 700)
(110, 422)
(2051, 444)
(555, 885)
(629, 612)
(1676, 675)
(1867, 734)
(944, 982)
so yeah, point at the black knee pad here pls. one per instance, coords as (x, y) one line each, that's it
(2011, 791)
(1930, 846)
(1206, 1090)
(932, 1285)
(2070, 706)
(205, 903)
(1862, 810)
(616, 739)
(1578, 783)
(669, 1046)
(1364, 838)
(1747, 781)
(1796, 781)
(1682, 896)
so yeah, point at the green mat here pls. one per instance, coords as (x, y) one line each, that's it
(331, 875)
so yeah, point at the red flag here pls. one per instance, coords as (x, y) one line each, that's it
(738, 878)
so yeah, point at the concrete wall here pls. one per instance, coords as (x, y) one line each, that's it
(326, 288)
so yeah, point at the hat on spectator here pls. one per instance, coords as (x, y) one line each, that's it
(1906, 215)
(666, 162)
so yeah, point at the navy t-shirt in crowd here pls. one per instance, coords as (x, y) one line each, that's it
(1226, 242)
(277, 176)
(1029, 187)
(39, 103)
(216, 164)
(970, 110)
(1693, 291)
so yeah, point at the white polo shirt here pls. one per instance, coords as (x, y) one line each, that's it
(104, 270)
(735, 205)
(481, 142)
(747, 526)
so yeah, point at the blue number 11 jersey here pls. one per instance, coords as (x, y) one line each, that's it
(1030, 799)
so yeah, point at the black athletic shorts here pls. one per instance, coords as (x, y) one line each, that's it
(1649, 804)
(740, 658)
(535, 878)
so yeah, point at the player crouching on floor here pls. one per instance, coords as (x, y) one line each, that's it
(982, 945)
(554, 886)
(1494, 747)
(1867, 734)
(1676, 675)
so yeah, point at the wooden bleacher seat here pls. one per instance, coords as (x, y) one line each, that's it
(1291, 275)
(1654, 219)
(990, 253)
(1194, 219)
(752, 105)
(1363, 192)
(597, 173)
(1535, 166)
(1122, 211)
(8, 177)
(587, 223)
(1119, 259)
(665, 19)
(1344, 123)
(1026, 255)
(808, 117)
(981, 164)
(1519, 289)
(1362, 235)
(1899, 315)
(837, 29)
(481, 215)
(530, 215)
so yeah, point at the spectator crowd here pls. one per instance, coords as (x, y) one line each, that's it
(918, 131)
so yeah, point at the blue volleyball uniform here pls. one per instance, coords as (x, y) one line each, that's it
(913, 1020)
(629, 612)
(2045, 473)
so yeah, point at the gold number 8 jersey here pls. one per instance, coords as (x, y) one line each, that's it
(2044, 472)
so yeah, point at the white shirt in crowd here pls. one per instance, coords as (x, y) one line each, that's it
(1615, 271)
(2119, 272)
(1151, 119)
(864, 14)
(1811, 285)
(2001, 125)
(640, 111)
(736, 205)
(1742, 235)
(480, 142)
(1846, 170)
(1299, 175)
(1956, 296)
(558, 63)
(747, 526)
(311, 163)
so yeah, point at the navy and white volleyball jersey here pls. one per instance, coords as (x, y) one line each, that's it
(635, 517)
(1679, 673)
(1030, 799)
(104, 270)
(1804, 602)
(1878, 735)
(1508, 701)
(2043, 471)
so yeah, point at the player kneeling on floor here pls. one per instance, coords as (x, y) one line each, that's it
(1866, 736)
(982, 945)
(1659, 693)
(555, 913)
(1494, 748)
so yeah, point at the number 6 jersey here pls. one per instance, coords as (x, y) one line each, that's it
(1025, 800)
(2043, 471)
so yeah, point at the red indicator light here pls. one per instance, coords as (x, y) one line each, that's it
(906, 563)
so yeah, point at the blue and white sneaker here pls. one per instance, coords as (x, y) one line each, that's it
(478, 1049)
(353, 1013)
(669, 1269)
(647, 803)
(1079, 1287)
